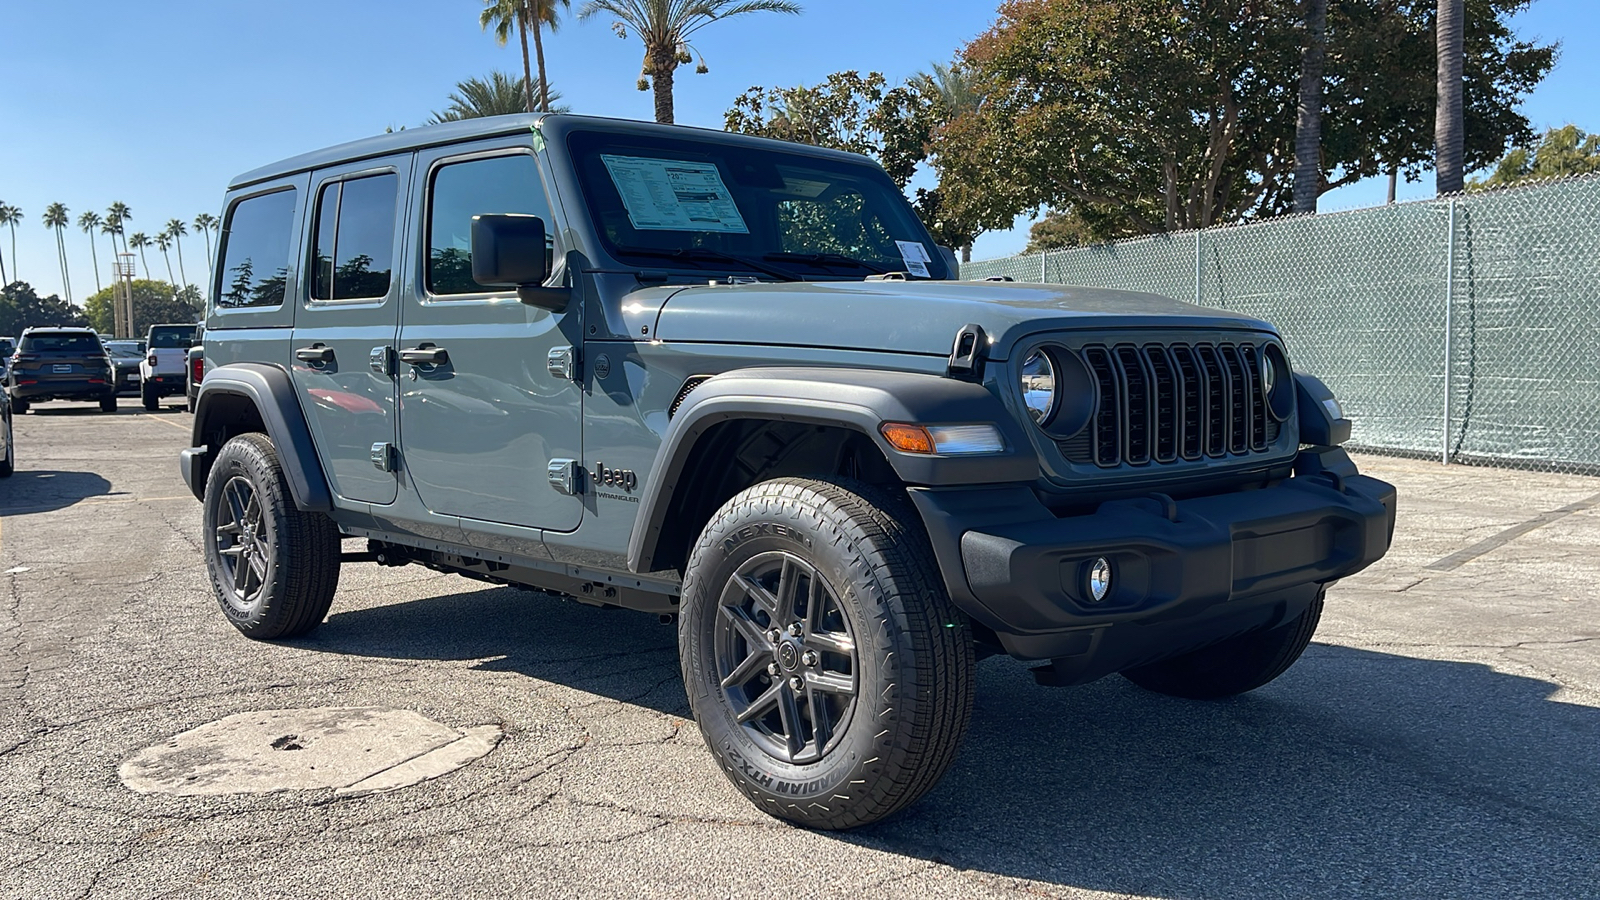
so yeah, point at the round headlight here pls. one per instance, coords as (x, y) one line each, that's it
(1277, 383)
(1039, 386)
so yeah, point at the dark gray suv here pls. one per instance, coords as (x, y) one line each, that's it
(54, 363)
(731, 382)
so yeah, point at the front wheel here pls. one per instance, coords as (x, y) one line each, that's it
(1233, 666)
(828, 670)
(274, 568)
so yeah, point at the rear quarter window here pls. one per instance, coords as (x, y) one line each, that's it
(255, 251)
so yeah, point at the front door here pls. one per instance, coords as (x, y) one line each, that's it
(352, 309)
(481, 421)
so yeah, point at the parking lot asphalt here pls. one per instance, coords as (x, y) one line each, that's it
(1441, 738)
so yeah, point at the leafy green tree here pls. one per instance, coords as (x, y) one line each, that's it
(57, 219)
(154, 302)
(665, 27)
(534, 15)
(21, 307)
(10, 216)
(89, 222)
(1561, 153)
(862, 114)
(500, 95)
(1140, 116)
(138, 241)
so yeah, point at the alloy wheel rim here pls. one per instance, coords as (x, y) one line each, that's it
(243, 543)
(786, 657)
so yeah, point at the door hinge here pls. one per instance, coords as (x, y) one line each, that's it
(566, 476)
(384, 456)
(381, 359)
(563, 363)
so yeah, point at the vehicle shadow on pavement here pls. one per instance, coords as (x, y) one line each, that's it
(626, 656)
(1356, 774)
(36, 491)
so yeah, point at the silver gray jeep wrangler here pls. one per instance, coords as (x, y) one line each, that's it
(731, 382)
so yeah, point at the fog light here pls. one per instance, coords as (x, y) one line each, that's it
(1099, 580)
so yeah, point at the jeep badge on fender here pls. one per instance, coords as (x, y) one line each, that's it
(844, 475)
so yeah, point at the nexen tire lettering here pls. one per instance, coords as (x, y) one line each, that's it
(772, 529)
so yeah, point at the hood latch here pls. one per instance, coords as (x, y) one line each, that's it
(968, 354)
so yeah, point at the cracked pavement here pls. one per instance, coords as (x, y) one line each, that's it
(1440, 739)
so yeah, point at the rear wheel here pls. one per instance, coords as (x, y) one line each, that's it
(9, 463)
(147, 394)
(1233, 666)
(19, 407)
(829, 672)
(274, 568)
(108, 404)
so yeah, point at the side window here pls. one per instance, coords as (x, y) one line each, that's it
(255, 251)
(500, 184)
(354, 241)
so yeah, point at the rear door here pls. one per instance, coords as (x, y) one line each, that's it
(345, 328)
(481, 427)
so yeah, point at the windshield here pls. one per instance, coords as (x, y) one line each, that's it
(708, 205)
(59, 342)
(168, 338)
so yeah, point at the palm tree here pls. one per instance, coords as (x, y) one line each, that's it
(111, 231)
(534, 14)
(138, 241)
(207, 223)
(665, 27)
(175, 231)
(1308, 121)
(474, 98)
(89, 221)
(120, 213)
(57, 218)
(164, 243)
(1449, 132)
(10, 216)
(5, 218)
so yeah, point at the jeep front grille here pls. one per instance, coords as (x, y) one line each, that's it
(1162, 403)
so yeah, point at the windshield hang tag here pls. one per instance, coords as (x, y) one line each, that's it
(915, 257)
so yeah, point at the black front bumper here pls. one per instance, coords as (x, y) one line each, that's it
(1206, 566)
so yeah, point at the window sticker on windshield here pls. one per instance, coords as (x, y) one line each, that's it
(915, 256)
(674, 195)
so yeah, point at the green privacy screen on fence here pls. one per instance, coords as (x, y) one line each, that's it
(1481, 310)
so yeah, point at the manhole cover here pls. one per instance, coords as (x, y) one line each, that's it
(349, 749)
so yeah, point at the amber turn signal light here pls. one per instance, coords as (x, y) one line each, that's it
(908, 438)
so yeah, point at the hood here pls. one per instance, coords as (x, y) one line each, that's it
(916, 316)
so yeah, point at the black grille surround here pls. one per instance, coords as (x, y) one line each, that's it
(1168, 400)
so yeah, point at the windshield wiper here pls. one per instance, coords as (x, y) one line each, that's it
(706, 254)
(828, 259)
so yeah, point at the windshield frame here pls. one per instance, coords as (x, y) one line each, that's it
(586, 143)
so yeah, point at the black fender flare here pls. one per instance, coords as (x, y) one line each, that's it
(858, 399)
(272, 393)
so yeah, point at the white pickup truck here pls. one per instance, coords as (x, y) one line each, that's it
(165, 367)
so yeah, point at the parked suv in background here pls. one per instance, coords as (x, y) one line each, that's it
(767, 414)
(54, 363)
(195, 367)
(164, 371)
(125, 358)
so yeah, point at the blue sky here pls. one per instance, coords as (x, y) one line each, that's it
(159, 104)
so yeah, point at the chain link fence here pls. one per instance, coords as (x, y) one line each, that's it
(1465, 328)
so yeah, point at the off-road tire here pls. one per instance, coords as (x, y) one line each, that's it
(108, 404)
(913, 658)
(148, 396)
(300, 550)
(1233, 666)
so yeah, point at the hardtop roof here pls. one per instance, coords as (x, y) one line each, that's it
(552, 125)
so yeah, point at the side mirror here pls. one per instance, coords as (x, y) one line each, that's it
(508, 249)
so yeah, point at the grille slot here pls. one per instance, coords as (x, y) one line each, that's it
(1166, 402)
(689, 385)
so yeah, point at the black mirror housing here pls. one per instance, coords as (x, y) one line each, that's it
(509, 249)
